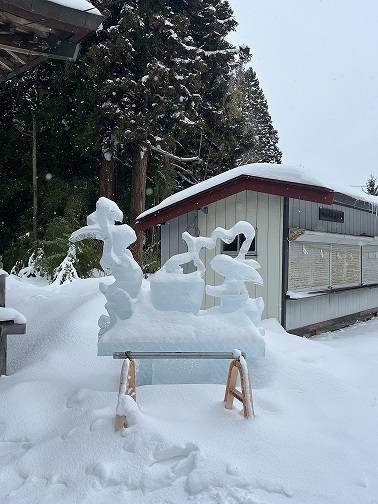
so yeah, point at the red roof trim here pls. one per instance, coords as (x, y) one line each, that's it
(242, 183)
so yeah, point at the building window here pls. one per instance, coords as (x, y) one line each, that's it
(319, 266)
(331, 215)
(233, 248)
(309, 266)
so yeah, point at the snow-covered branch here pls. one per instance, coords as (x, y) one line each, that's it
(172, 156)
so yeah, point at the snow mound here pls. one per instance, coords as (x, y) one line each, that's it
(313, 439)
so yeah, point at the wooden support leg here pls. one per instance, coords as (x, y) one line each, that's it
(231, 393)
(127, 386)
(3, 351)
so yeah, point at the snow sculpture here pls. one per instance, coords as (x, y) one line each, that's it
(171, 289)
(237, 271)
(116, 259)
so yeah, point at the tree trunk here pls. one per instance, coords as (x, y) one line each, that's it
(107, 178)
(35, 177)
(138, 196)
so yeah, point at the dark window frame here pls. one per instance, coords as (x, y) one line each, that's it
(233, 248)
(331, 215)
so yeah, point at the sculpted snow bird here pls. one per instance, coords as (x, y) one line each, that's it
(116, 259)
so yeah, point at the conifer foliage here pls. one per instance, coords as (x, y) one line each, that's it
(259, 142)
(159, 99)
(371, 186)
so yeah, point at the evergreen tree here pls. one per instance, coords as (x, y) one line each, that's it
(162, 72)
(259, 143)
(150, 104)
(371, 186)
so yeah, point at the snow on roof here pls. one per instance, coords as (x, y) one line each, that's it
(264, 170)
(81, 5)
(269, 171)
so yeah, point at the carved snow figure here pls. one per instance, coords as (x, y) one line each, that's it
(171, 289)
(233, 292)
(116, 259)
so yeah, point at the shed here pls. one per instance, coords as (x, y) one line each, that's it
(32, 31)
(317, 246)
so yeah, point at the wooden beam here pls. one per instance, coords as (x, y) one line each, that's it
(31, 63)
(24, 40)
(5, 63)
(6, 29)
(15, 56)
(62, 51)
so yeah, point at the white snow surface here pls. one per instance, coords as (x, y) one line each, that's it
(313, 441)
(273, 171)
(265, 170)
(81, 5)
(11, 314)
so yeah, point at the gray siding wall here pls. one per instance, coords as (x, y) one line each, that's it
(303, 312)
(305, 215)
(264, 212)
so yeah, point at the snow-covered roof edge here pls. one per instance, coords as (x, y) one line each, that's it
(289, 176)
(80, 5)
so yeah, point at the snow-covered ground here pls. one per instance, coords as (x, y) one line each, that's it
(314, 439)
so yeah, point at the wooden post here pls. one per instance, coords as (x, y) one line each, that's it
(2, 287)
(3, 350)
(231, 393)
(127, 386)
(3, 336)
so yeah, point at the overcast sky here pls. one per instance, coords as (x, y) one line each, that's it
(317, 61)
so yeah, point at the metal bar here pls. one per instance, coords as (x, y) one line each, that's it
(175, 355)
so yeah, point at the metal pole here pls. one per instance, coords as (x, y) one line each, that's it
(175, 355)
(35, 178)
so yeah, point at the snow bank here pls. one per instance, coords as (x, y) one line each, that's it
(313, 440)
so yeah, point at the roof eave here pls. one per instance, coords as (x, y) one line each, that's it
(242, 183)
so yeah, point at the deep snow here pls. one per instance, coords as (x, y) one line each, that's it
(314, 439)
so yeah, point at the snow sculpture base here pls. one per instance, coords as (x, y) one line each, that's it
(172, 331)
(177, 292)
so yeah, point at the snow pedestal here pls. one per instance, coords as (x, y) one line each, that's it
(173, 331)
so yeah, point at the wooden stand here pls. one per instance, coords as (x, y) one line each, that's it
(245, 395)
(127, 386)
(237, 367)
